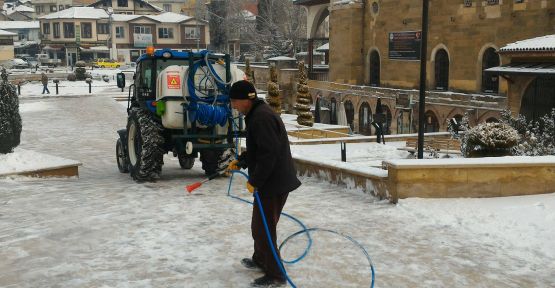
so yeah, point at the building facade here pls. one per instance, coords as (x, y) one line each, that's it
(376, 43)
(27, 35)
(130, 7)
(83, 33)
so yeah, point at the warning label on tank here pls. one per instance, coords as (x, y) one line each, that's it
(174, 82)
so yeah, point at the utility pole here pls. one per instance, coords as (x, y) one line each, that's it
(422, 96)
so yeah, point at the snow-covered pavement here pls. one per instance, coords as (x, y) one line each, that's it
(104, 230)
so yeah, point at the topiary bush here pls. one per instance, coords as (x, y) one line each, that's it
(10, 120)
(71, 77)
(80, 71)
(304, 116)
(489, 140)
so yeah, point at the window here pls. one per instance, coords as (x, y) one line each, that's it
(192, 33)
(68, 6)
(519, 1)
(56, 28)
(442, 70)
(490, 82)
(45, 28)
(53, 8)
(374, 69)
(21, 36)
(168, 7)
(467, 3)
(102, 28)
(165, 33)
(86, 30)
(122, 3)
(142, 30)
(69, 30)
(120, 32)
(493, 2)
(61, 7)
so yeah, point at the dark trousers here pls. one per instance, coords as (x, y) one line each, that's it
(45, 88)
(262, 253)
(379, 132)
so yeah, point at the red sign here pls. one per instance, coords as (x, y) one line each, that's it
(174, 82)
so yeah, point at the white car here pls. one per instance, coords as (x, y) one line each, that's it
(15, 63)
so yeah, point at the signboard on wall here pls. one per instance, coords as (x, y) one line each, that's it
(405, 45)
(78, 34)
(142, 40)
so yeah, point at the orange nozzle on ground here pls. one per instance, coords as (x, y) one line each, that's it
(193, 186)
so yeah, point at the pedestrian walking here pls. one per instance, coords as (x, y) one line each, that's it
(44, 80)
(379, 119)
(271, 174)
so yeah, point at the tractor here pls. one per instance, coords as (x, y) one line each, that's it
(179, 103)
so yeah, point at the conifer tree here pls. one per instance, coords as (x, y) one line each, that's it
(10, 120)
(304, 116)
(273, 91)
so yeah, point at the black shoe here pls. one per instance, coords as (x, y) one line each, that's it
(250, 264)
(266, 281)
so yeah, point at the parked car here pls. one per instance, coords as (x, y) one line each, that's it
(31, 61)
(106, 63)
(45, 60)
(15, 63)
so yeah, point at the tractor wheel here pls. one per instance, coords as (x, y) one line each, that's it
(145, 146)
(123, 164)
(186, 162)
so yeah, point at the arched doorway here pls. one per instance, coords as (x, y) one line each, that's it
(364, 119)
(350, 113)
(388, 119)
(431, 124)
(538, 99)
(490, 83)
(333, 111)
(374, 69)
(441, 70)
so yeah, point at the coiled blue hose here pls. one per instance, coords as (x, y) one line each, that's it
(216, 113)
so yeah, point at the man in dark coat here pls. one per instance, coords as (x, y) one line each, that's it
(271, 173)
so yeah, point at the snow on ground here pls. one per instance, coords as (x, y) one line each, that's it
(104, 230)
(24, 160)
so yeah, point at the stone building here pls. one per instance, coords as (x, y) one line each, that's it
(375, 44)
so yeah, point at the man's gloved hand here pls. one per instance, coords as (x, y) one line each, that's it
(250, 187)
(233, 165)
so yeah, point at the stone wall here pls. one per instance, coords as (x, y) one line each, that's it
(464, 32)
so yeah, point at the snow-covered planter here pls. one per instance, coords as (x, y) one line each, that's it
(10, 120)
(489, 139)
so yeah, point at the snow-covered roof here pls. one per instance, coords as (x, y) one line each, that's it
(19, 24)
(169, 17)
(248, 15)
(124, 17)
(78, 13)
(538, 44)
(6, 33)
(325, 47)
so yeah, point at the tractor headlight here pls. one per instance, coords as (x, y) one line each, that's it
(167, 55)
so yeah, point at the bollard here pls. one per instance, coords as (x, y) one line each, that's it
(56, 81)
(343, 152)
(89, 81)
(18, 88)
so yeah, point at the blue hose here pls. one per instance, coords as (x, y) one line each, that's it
(304, 230)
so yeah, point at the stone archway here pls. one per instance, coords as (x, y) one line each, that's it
(365, 119)
(431, 123)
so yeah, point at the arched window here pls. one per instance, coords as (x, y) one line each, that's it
(442, 70)
(333, 111)
(490, 83)
(364, 119)
(431, 124)
(374, 69)
(350, 113)
(492, 120)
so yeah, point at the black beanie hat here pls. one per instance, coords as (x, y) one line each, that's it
(242, 90)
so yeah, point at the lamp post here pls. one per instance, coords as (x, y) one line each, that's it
(422, 96)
